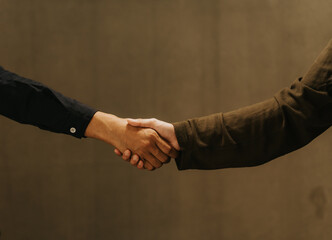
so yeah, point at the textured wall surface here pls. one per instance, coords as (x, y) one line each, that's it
(173, 60)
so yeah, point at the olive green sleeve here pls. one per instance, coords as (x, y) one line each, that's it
(256, 134)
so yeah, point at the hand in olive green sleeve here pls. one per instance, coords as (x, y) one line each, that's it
(164, 129)
(255, 134)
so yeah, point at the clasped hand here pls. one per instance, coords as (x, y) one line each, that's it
(164, 129)
(145, 143)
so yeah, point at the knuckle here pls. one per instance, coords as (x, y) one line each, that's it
(149, 167)
(158, 164)
(162, 157)
(168, 150)
(166, 159)
(154, 120)
(151, 138)
(153, 134)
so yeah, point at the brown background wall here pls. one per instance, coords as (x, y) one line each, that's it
(173, 60)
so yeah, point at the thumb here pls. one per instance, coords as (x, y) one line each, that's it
(140, 122)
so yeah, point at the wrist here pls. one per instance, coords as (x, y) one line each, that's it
(105, 127)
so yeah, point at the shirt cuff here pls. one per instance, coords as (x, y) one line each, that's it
(78, 120)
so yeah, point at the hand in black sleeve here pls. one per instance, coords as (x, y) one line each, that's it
(30, 102)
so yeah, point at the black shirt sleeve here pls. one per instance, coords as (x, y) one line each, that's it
(30, 102)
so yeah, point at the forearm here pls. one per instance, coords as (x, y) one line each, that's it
(259, 133)
(225, 140)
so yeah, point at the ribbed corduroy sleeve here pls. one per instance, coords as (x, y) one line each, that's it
(256, 134)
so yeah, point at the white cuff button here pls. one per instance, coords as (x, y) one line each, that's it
(73, 130)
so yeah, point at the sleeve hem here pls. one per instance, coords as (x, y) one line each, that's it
(183, 135)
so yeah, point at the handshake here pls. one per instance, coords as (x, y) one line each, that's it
(145, 143)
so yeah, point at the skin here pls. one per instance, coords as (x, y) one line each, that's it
(164, 129)
(145, 143)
